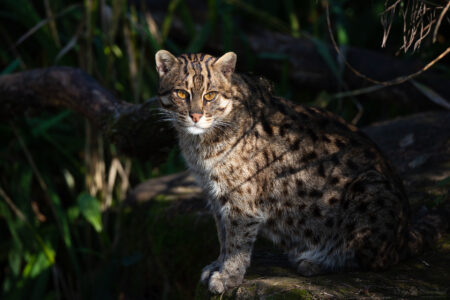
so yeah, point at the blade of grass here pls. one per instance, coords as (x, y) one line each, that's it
(227, 26)
(71, 44)
(152, 32)
(323, 50)
(200, 39)
(10, 222)
(202, 36)
(65, 232)
(50, 255)
(44, 22)
(293, 20)
(52, 23)
(11, 67)
(62, 150)
(39, 286)
(51, 122)
(52, 201)
(431, 94)
(167, 22)
(186, 17)
(263, 16)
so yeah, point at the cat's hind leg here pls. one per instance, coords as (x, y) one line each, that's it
(325, 259)
(308, 268)
(307, 263)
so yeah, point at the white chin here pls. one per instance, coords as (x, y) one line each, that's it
(195, 130)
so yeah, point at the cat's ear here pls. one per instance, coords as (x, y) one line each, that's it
(226, 63)
(164, 62)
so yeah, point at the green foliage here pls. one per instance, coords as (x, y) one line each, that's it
(90, 209)
(69, 235)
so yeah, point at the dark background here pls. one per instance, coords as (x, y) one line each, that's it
(70, 235)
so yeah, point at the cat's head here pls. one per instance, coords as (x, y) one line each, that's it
(195, 89)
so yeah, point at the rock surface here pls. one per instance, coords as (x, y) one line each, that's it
(419, 146)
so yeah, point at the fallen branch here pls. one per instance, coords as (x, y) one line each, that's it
(135, 129)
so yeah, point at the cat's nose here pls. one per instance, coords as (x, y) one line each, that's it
(196, 117)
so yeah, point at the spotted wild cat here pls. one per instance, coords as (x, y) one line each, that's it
(300, 176)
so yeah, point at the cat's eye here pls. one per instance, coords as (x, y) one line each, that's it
(182, 94)
(210, 96)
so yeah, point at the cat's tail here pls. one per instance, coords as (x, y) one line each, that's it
(427, 229)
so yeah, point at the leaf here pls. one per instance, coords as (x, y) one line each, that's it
(72, 213)
(15, 260)
(90, 209)
(11, 67)
(40, 264)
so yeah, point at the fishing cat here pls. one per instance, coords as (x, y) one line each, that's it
(300, 176)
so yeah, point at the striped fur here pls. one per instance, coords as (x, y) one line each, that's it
(300, 176)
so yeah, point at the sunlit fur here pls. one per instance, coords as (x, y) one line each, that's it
(198, 75)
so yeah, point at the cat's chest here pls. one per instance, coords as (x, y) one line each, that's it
(215, 168)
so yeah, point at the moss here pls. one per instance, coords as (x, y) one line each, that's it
(445, 245)
(298, 294)
(294, 294)
(202, 293)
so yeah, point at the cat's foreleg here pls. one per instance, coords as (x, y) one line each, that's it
(240, 235)
(215, 265)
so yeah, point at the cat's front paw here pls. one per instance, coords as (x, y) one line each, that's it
(208, 270)
(216, 283)
(220, 282)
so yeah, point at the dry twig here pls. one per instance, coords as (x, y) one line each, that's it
(379, 84)
(419, 17)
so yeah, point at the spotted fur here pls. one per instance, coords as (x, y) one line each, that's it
(300, 176)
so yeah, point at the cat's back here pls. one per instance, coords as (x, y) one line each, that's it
(303, 134)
